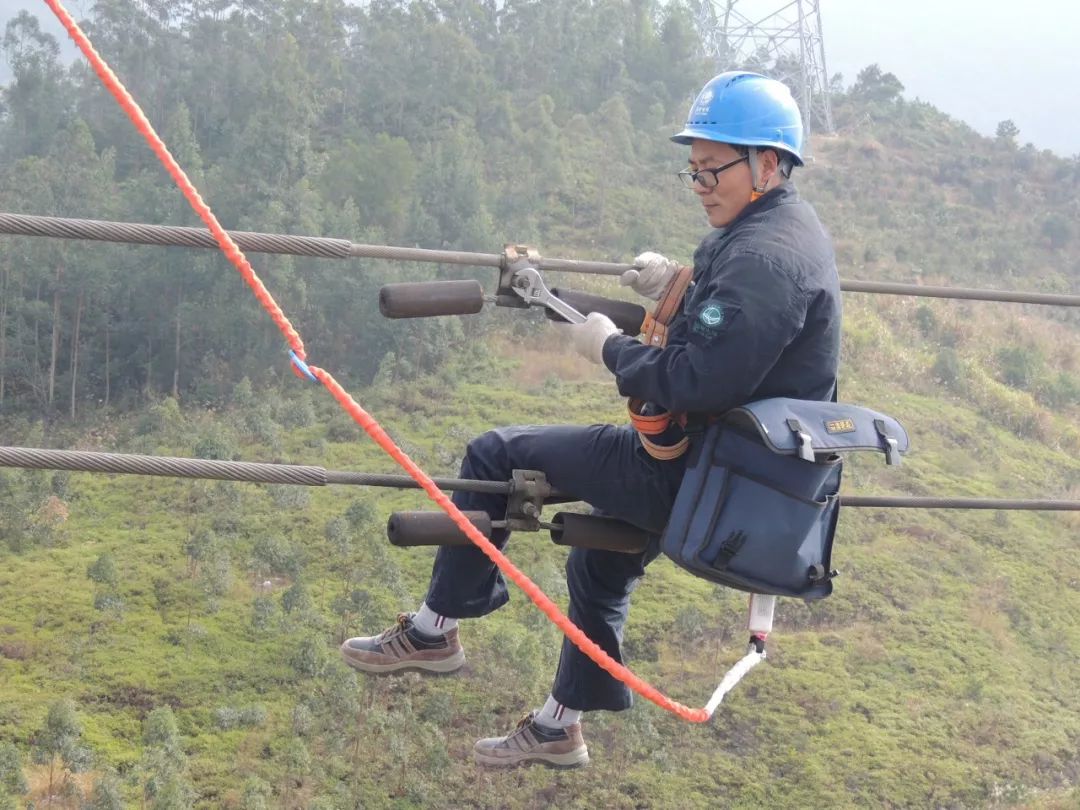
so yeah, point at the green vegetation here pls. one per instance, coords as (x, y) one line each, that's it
(171, 644)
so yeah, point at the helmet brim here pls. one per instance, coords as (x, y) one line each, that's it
(690, 134)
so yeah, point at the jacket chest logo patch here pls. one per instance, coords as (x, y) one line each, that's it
(712, 316)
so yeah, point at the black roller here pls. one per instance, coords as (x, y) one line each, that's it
(424, 299)
(627, 316)
(598, 532)
(433, 528)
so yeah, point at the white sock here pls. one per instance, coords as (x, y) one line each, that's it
(430, 623)
(556, 715)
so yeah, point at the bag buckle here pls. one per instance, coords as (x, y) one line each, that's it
(806, 445)
(892, 448)
(729, 548)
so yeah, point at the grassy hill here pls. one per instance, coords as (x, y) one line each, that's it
(942, 672)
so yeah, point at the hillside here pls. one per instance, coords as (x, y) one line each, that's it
(171, 644)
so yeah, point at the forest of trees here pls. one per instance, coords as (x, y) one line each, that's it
(458, 124)
(444, 124)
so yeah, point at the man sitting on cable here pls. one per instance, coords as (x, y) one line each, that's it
(760, 319)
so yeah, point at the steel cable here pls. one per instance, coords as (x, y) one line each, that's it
(322, 247)
(33, 458)
(1002, 504)
(260, 473)
(84, 461)
(139, 234)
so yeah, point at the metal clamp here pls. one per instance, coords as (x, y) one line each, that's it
(514, 259)
(521, 285)
(528, 490)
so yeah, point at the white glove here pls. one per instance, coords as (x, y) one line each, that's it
(589, 337)
(655, 273)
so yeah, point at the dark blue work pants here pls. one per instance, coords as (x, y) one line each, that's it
(606, 467)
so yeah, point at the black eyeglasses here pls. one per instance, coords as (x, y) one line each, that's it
(707, 178)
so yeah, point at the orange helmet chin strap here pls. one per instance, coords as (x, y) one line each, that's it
(755, 175)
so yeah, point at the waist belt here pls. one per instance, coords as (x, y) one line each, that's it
(655, 333)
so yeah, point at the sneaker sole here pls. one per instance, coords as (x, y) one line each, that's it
(573, 759)
(446, 665)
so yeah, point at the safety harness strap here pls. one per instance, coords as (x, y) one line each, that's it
(664, 452)
(655, 333)
(655, 324)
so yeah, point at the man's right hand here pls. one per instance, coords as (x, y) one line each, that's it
(655, 273)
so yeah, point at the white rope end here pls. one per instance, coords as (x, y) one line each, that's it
(733, 676)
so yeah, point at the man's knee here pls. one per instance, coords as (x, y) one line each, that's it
(500, 451)
(484, 445)
(602, 577)
(486, 453)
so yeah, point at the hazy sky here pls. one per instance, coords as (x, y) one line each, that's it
(981, 61)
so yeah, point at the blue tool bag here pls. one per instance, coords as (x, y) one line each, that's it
(757, 508)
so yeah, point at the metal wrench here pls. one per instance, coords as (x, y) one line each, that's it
(529, 284)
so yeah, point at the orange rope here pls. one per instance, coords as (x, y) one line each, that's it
(370, 426)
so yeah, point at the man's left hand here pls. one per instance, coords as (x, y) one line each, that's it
(589, 337)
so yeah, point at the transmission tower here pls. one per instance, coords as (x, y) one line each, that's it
(782, 39)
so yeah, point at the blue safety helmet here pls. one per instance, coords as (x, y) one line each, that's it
(746, 109)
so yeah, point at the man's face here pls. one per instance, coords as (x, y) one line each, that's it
(732, 191)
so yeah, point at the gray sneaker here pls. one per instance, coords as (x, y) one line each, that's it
(404, 647)
(531, 742)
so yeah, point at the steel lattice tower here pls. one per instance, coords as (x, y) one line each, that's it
(782, 39)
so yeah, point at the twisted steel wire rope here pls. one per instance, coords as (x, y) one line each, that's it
(326, 248)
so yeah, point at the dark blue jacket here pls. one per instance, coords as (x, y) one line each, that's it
(761, 319)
